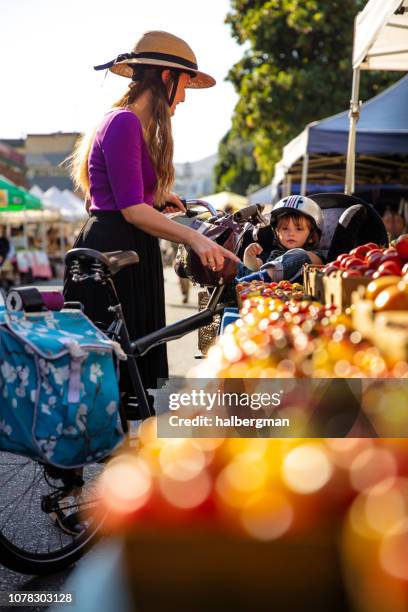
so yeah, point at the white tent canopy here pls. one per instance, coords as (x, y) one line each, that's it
(380, 43)
(381, 36)
(66, 203)
(37, 191)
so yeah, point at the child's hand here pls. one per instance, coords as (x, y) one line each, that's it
(251, 260)
(253, 250)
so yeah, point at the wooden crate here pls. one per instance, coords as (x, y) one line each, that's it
(387, 330)
(338, 290)
(313, 281)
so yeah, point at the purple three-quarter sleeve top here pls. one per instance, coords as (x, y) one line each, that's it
(121, 173)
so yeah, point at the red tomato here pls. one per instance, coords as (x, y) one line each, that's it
(391, 266)
(402, 247)
(372, 245)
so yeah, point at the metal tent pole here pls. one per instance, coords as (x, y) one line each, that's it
(305, 168)
(354, 115)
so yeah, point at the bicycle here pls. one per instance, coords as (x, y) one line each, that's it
(34, 490)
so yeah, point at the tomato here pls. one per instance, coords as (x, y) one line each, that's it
(392, 267)
(372, 245)
(402, 247)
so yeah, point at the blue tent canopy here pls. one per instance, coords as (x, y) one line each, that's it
(382, 127)
(381, 131)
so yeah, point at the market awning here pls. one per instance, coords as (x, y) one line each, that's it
(382, 130)
(14, 197)
(381, 36)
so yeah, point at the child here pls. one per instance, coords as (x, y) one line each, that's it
(298, 223)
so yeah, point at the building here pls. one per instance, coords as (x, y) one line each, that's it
(43, 155)
(12, 163)
(195, 179)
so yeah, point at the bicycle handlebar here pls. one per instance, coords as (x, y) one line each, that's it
(247, 212)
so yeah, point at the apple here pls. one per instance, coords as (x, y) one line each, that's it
(385, 272)
(352, 262)
(351, 272)
(330, 268)
(361, 251)
(392, 255)
(342, 256)
(391, 266)
(373, 259)
(401, 246)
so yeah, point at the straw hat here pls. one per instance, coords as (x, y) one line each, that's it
(163, 49)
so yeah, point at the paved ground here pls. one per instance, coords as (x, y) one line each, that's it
(181, 359)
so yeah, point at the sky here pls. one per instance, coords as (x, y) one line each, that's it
(48, 49)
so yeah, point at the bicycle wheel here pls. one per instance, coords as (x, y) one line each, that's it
(30, 541)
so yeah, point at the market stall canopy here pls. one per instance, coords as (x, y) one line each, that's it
(382, 129)
(70, 211)
(37, 191)
(14, 197)
(226, 199)
(381, 36)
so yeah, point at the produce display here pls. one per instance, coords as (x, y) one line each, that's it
(294, 336)
(283, 290)
(372, 261)
(345, 501)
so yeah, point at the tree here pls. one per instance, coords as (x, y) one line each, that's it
(296, 69)
(236, 169)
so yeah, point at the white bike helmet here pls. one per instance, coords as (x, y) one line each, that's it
(299, 204)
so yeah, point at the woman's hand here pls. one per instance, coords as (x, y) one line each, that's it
(173, 204)
(211, 254)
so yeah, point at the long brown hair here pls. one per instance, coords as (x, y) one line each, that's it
(158, 135)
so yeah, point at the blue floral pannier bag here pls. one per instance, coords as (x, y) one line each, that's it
(59, 396)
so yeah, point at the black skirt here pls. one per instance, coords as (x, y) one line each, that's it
(140, 288)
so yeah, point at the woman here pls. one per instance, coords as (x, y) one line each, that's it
(124, 169)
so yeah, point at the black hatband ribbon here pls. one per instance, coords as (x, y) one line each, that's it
(165, 57)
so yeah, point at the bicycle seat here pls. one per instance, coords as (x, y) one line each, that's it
(113, 261)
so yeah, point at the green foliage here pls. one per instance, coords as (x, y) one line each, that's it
(236, 169)
(296, 69)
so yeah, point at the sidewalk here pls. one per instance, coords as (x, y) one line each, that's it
(180, 352)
